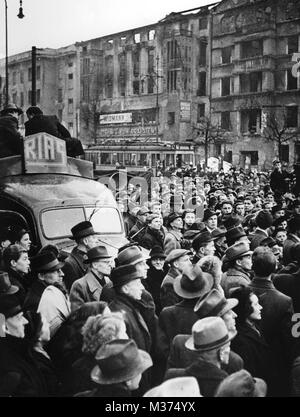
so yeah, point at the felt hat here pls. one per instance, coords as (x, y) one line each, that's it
(121, 275)
(185, 386)
(242, 384)
(175, 254)
(10, 305)
(232, 235)
(157, 252)
(231, 221)
(207, 334)
(208, 213)
(218, 233)
(82, 229)
(238, 250)
(173, 216)
(130, 256)
(201, 239)
(6, 287)
(119, 361)
(45, 262)
(96, 253)
(193, 282)
(214, 304)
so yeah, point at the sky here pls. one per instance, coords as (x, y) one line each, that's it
(57, 23)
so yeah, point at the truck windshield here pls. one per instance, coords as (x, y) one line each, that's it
(57, 223)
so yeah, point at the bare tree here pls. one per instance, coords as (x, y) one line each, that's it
(206, 133)
(276, 128)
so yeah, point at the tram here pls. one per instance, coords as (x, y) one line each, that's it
(137, 157)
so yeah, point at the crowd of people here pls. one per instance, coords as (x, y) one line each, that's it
(199, 302)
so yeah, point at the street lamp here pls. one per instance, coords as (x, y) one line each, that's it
(20, 16)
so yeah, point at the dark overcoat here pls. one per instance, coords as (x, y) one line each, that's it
(48, 124)
(74, 267)
(181, 357)
(289, 284)
(34, 294)
(208, 375)
(168, 296)
(174, 320)
(151, 238)
(291, 241)
(19, 374)
(11, 141)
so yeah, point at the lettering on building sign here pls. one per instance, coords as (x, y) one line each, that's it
(115, 118)
(41, 149)
(185, 111)
(127, 131)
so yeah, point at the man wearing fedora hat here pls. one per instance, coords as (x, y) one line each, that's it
(179, 318)
(211, 341)
(11, 141)
(178, 260)
(210, 219)
(238, 261)
(141, 322)
(203, 245)
(47, 270)
(19, 375)
(174, 234)
(212, 304)
(54, 303)
(89, 287)
(86, 238)
(119, 368)
(154, 235)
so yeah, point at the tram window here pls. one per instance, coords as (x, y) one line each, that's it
(142, 159)
(105, 158)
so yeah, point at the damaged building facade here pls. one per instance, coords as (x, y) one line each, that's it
(219, 80)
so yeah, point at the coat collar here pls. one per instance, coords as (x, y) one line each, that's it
(92, 281)
(262, 283)
(201, 369)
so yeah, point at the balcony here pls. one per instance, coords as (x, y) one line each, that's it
(255, 63)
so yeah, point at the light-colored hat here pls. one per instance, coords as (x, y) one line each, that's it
(208, 334)
(175, 254)
(242, 384)
(238, 250)
(186, 386)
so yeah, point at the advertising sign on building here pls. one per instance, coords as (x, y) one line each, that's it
(185, 111)
(106, 119)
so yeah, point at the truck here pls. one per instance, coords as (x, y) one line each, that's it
(46, 192)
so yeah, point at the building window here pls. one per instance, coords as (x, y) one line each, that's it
(200, 111)
(137, 38)
(70, 64)
(251, 120)
(86, 66)
(136, 63)
(29, 74)
(29, 96)
(151, 35)
(70, 76)
(22, 99)
(292, 116)
(60, 95)
(85, 90)
(172, 50)
(70, 105)
(202, 84)
(251, 83)
(38, 96)
(172, 80)
(60, 114)
(22, 77)
(70, 81)
(150, 85)
(225, 120)
(14, 97)
(203, 23)
(291, 81)
(202, 55)
(251, 48)
(171, 118)
(284, 151)
(226, 55)
(136, 87)
(292, 44)
(225, 86)
(38, 72)
(122, 74)
(109, 76)
(14, 78)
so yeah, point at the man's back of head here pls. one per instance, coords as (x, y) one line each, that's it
(263, 262)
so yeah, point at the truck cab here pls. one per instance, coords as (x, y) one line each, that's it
(47, 193)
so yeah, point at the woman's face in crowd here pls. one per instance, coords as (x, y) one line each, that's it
(25, 241)
(22, 264)
(281, 237)
(158, 263)
(156, 223)
(16, 325)
(189, 218)
(256, 307)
